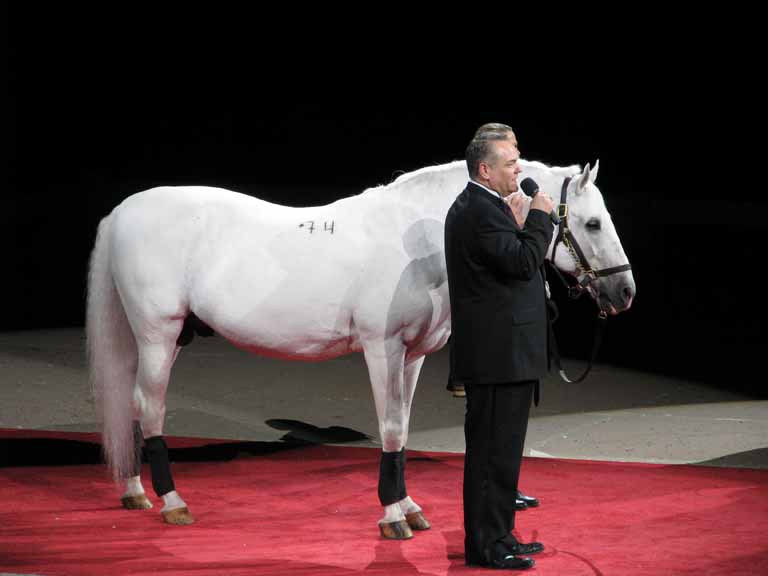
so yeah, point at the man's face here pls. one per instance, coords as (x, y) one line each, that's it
(502, 170)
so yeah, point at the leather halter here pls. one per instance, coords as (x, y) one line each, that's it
(587, 276)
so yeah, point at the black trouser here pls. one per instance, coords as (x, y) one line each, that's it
(494, 430)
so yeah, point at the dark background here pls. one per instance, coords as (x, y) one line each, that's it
(102, 104)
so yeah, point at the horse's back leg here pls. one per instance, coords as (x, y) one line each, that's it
(156, 356)
(393, 385)
(134, 497)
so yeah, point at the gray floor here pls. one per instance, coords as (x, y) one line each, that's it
(219, 391)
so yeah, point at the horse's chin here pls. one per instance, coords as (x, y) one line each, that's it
(609, 307)
(613, 311)
(605, 305)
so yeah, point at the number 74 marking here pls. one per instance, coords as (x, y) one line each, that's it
(310, 225)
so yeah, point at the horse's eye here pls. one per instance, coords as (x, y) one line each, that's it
(593, 224)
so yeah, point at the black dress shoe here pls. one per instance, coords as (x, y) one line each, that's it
(500, 557)
(529, 501)
(511, 562)
(520, 505)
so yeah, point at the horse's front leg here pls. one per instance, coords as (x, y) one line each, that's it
(414, 516)
(393, 386)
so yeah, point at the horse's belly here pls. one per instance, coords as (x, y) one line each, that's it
(288, 323)
(279, 296)
(305, 349)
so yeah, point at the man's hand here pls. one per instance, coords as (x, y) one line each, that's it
(516, 202)
(542, 202)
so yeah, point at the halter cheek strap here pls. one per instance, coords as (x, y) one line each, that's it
(584, 282)
(564, 236)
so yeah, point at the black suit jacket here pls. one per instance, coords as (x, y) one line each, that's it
(498, 302)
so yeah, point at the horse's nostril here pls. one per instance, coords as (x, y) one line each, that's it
(627, 293)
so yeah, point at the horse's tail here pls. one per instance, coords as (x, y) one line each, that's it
(112, 357)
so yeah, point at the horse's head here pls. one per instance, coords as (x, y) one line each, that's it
(588, 247)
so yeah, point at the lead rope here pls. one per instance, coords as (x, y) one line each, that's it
(554, 353)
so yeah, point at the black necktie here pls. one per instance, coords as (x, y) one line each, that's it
(505, 207)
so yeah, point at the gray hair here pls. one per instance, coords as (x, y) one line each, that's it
(494, 128)
(480, 148)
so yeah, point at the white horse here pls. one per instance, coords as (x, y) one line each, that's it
(363, 274)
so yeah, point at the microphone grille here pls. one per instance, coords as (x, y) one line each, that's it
(529, 186)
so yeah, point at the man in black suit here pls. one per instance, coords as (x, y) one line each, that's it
(522, 501)
(498, 339)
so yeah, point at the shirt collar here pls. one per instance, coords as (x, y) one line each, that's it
(493, 192)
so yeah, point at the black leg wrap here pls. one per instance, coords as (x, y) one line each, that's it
(157, 452)
(137, 441)
(392, 477)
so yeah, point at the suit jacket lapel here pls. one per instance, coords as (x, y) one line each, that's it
(483, 194)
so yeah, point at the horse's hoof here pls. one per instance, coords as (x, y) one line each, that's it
(179, 516)
(396, 530)
(417, 521)
(136, 502)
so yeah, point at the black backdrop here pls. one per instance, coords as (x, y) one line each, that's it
(101, 105)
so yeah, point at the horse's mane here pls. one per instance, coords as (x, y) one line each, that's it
(437, 170)
(427, 171)
(556, 170)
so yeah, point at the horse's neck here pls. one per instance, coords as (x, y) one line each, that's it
(432, 190)
(549, 178)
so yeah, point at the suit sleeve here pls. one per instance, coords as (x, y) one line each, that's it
(511, 252)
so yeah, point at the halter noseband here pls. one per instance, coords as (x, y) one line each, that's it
(564, 235)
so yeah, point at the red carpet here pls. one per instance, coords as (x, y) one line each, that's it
(313, 510)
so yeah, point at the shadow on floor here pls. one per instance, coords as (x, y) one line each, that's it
(302, 432)
(757, 458)
(65, 452)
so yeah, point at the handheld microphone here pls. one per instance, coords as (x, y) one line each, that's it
(530, 188)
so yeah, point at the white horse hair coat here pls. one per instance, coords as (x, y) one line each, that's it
(365, 273)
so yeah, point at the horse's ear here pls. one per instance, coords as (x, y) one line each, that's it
(583, 179)
(593, 173)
